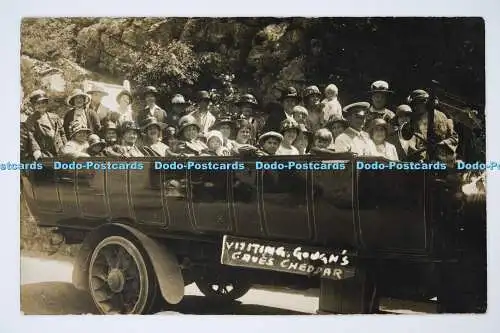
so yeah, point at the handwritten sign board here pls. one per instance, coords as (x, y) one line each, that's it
(288, 258)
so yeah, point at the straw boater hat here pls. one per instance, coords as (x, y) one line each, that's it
(187, 120)
(75, 93)
(268, 135)
(96, 141)
(77, 127)
(152, 121)
(380, 87)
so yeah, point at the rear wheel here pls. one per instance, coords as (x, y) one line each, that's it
(121, 278)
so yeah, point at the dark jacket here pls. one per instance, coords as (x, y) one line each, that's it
(276, 116)
(158, 113)
(37, 136)
(93, 122)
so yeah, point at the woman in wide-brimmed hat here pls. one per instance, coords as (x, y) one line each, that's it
(79, 102)
(78, 144)
(152, 130)
(96, 145)
(379, 93)
(290, 130)
(189, 142)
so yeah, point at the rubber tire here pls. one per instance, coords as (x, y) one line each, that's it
(240, 289)
(152, 300)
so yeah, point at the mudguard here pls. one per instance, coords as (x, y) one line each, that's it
(164, 262)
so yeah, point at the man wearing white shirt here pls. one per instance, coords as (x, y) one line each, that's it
(354, 139)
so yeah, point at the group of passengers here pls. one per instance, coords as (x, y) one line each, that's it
(295, 125)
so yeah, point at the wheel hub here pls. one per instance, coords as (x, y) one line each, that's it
(116, 280)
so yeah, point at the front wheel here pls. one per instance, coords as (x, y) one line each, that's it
(121, 278)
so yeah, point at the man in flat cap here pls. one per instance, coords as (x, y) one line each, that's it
(354, 139)
(151, 109)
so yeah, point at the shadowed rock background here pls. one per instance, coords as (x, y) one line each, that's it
(183, 55)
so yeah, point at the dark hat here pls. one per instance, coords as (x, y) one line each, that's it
(186, 121)
(38, 96)
(311, 90)
(223, 121)
(95, 140)
(337, 119)
(77, 127)
(75, 93)
(202, 95)
(152, 121)
(418, 96)
(178, 99)
(247, 99)
(289, 124)
(380, 87)
(109, 125)
(403, 109)
(150, 90)
(129, 126)
(359, 108)
(97, 90)
(124, 92)
(290, 92)
(268, 135)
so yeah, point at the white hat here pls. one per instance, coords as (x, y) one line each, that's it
(215, 134)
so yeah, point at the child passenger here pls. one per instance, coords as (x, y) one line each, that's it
(379, 132)
(290, 131)
(215, 143)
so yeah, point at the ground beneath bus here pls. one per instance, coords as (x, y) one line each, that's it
(46, 289)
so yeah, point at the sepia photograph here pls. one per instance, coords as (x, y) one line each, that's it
(252, 165)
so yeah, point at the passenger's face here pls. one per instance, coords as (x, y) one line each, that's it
(153, 132)
(403, 119)
(337, 129)
(190, 133)
(313, 100)
(246, 110)
(289, 136)
(79, 101)
(130, 137)
(124, 101)
(379, 100)
(150, 99)
(378, 135)
(271, 145)
(225, 130)
(214, 144)
(97, 97)
(322, 143)
(243, 135)
(171, 141)
(357, 121)
(111, 136)
(81, 137)
(178, 108)
(204, 104)
(300, 117)
(422, 125)
(41, 107)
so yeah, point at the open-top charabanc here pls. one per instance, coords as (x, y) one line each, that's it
(357, 234)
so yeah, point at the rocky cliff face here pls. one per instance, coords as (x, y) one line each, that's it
(186, 54)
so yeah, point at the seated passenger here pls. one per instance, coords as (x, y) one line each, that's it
(96, 145)
(215, 145)
(300, 114)
(322, 142)
(379, 132)
(354, 139)
(130, 134)
(226, 127)
(336, 125)
(189, 142)
(290, 130)
(78, 141)
(243, 135)
(270, 142)
(152, 130)
(110, 135)
(304, 140)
